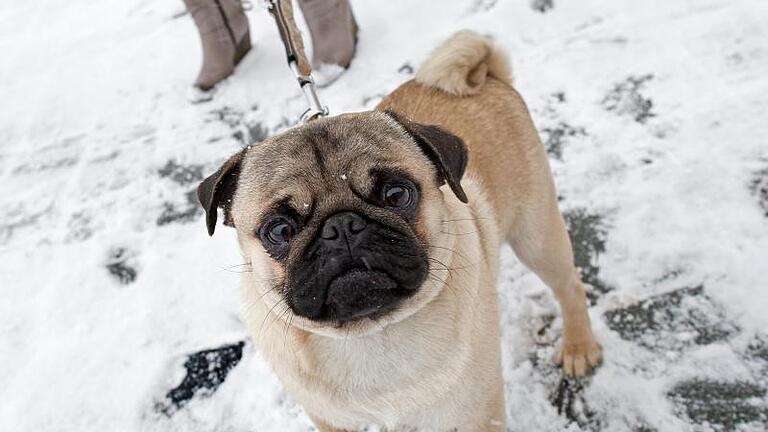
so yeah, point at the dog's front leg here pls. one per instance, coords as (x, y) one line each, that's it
(541, 242)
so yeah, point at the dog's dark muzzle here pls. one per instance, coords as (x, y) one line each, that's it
(359, 293)
(355, 269)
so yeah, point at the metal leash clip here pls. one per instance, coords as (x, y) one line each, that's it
(307, 83)
(297, 60)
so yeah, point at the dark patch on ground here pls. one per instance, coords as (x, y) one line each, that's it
(180, 213)
(257, 133)
(569, 400)
(247, 132)
(368, 99)
(625, 98)
(181, 174)
(567, 394)
(483, 5)
(672, 321)
(252, 133)
(60, 154)
(79, 227)
(105, 157)
(44, 165)
(542, 5)
(555, 136)
(759, 187)
(406, 68)
(206, 371)
(588, 235)
(240, 136)
(721, 404)
(668, 275)
(18, 217)
(229, 116)
(758, 348)
(556, 132)
(120, 267)
(550, 108)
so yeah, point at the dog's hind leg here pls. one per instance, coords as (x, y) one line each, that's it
(540, 240)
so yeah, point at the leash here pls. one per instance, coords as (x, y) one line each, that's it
(282, 12)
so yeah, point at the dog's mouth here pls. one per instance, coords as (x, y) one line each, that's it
(362, 293)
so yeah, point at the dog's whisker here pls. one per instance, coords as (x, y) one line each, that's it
(232, 268)
(465, 219)
(240, 265)
(458, 234)
(437, 261)
(365, 261)
(453, 252)
(276, 316)
(266, 292)
(262, 328)
(447, 269)
(237, 272)
(287, 323)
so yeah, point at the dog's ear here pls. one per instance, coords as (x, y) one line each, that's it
(446, 151)
(218, 189)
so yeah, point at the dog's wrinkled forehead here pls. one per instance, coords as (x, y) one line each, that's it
(326, 156)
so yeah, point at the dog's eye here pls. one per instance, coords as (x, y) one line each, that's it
(279, 231)
(398, 195)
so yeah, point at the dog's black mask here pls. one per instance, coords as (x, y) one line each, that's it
(355, 267)
(360, 248)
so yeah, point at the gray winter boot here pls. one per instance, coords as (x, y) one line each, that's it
(333, 30)
(225, 37)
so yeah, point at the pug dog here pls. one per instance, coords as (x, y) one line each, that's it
(372, 240)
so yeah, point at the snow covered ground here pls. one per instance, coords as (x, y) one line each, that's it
(119, 313)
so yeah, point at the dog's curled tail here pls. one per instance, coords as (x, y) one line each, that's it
(461, 65)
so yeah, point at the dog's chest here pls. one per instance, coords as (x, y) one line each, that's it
(420, 373)
(382, 376)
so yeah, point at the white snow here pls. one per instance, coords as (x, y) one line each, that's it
(94, 103)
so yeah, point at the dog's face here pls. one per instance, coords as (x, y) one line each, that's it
(341, 217)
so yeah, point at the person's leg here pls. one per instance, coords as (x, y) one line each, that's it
(333, 30)
(225, 38)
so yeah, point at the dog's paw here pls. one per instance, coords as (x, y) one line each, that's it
(579, 358)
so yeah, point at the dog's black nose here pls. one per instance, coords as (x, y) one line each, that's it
(343, 229)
